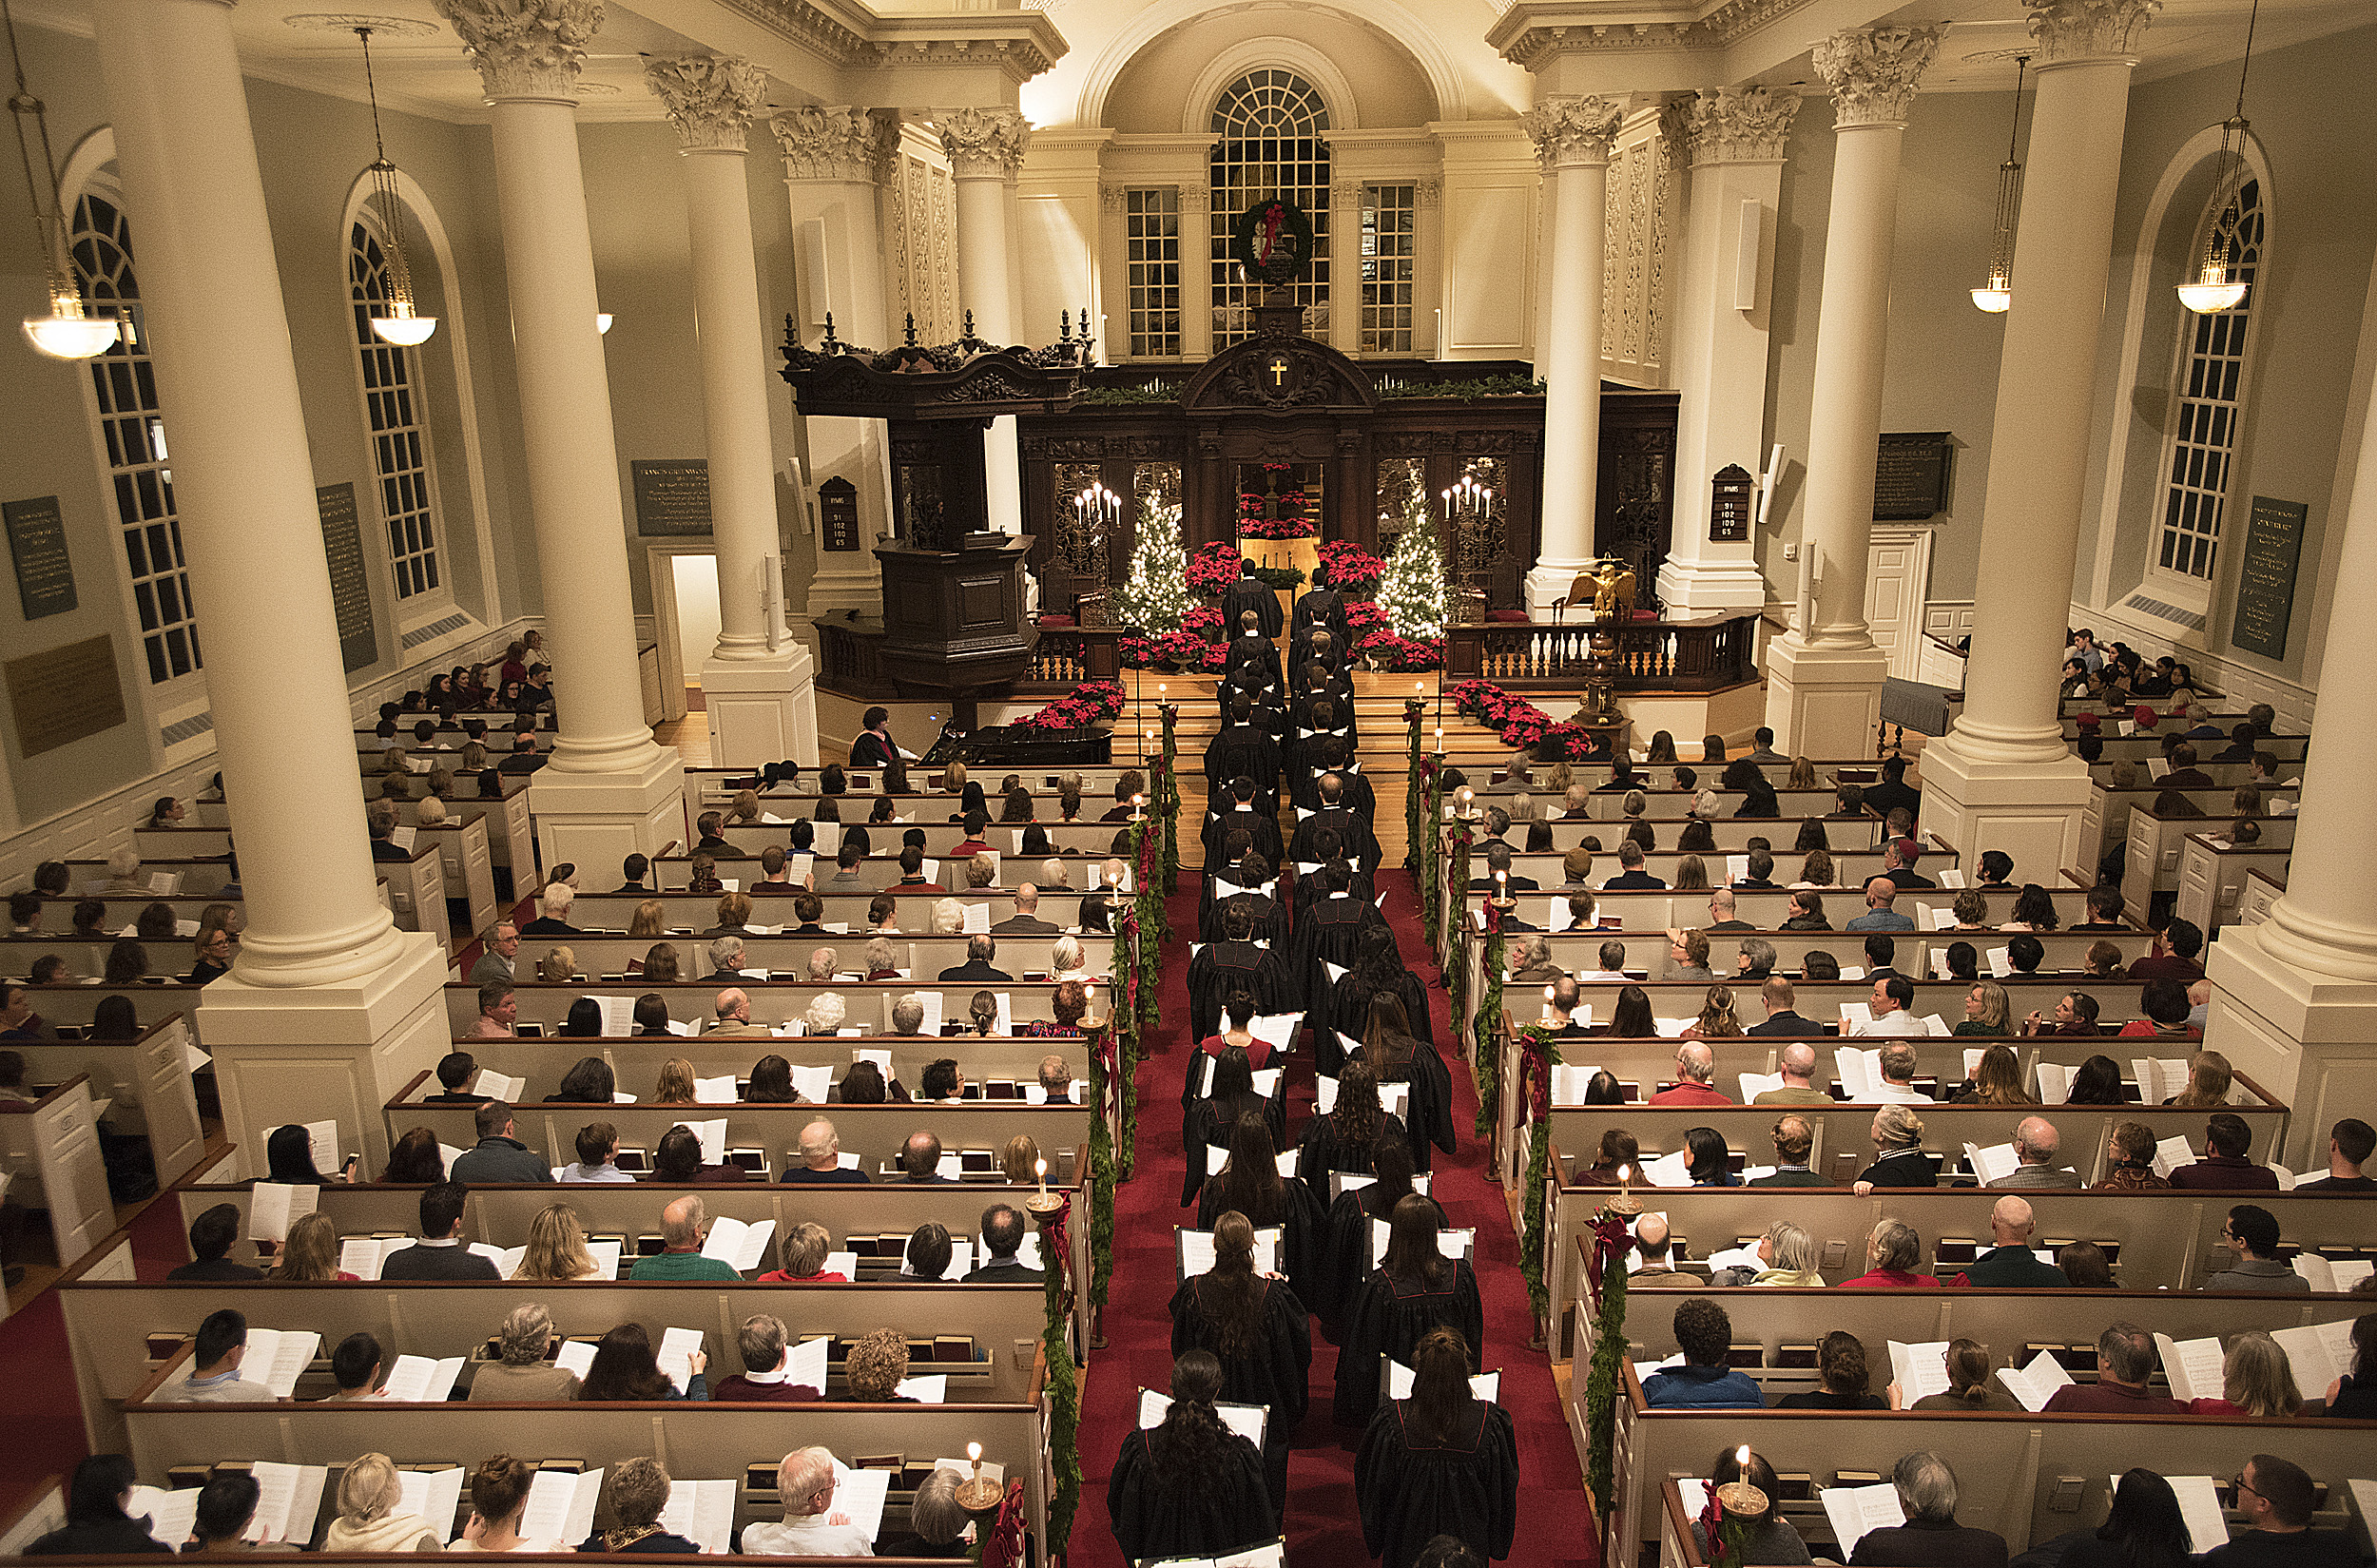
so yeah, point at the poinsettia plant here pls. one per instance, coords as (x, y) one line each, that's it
(1388, 650)
(1519, 721)
(1088, 704)
(1180, 650)
(1214, 569)
(1352, 569)
(1253, 525)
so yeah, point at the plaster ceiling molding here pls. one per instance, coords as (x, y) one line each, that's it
(1873, 73)
(811, 26)
(347, 21)
(1388, 19)
(708, 98)
(1022, 43)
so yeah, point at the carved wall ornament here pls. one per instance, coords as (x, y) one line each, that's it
(709, 98)
(984, 142)
(1114, 198)
(1873, 73)
(2078, 29)
(525, 48)
(839, 143)
(1196, 199)
(1568, 131)
(1428, 194)
(1751, 125)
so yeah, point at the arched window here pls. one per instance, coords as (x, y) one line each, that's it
(133, 433)
(2208, 397)
(399, 449)
(1270, 125)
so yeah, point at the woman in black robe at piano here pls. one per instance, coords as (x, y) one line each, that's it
(1343, 1260)
(1190, 1488)
(1256, 1327)
(1208, 1123)
(1414, 1289)
(1251, 1184)
(1439, 1463)
(1393, 1055)
(1342, 1139)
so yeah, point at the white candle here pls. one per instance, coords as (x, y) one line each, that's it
(1741, 1461)
(1040, 1168)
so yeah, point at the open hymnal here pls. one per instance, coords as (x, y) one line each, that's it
(741, 1247)
(576, 1357)
(1395, 1099)
(1194, 1249)
(2035, 1384)
(2055, 1083)
(1854, 1510)
(1755, 1084)
(2158, 1077)
(717, 1090)
(1265, 1079)
(1005, 1024)
(1569, 1081)
(1246, 1419)
(2332, 1275)
(1217, 1156)
(925, 1390)
(171, 1514)
(1343, 1182)
(975, 920)
(2170, 1153)
(713, 1135)
(1450, 1244)
(506, 1259)
(273, 1207)
(675, 1354)
(1860, 1071)
(288, 1499)
(1276, 1030)
(560, 1510)
(433, 1496)
(323, 1136)
(498, 1086)
(1942, 918)
(1952, 880)
(2200, 1506)
(1994, 1163)
(1485, 1385)
(417, 1379)
(1668, 1171)
(1919, 1369)
(2001, 962)
(2319, 1352)
(702, 1511)
(2192, 1367)
(363, 1255)
(860, 1494)
(618, 1014)
(276, 1357)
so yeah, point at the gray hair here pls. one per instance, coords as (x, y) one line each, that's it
(827, 1010)
(880, 955)
(2128, 1353)
(803, 1473)
(981, 947)
(1926, 1486)
(528, 1329)
(639, 1490)
(824, 963)
(1896, 1246)
(1794, 1249)
(725, 953)
(1065, 952)
(819, 1138)
(762, 1341)
(1696, 1061)
(122, 862)
(908, 1013)
(949, 918)
(934, 1515)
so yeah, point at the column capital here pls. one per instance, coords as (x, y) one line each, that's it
(1749, 126)
(984, 144)
(835, 143)
(709, 98)
(1572, 131)
(1872, 72)
(526, 48)
(2079, 30)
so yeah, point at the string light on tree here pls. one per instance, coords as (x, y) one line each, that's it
(1411, 590)
(1156, 597)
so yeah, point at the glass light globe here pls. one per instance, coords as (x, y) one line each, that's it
(65, 332)
(602, 323)
(402, 327)
(1996, 301)
(2209, 298)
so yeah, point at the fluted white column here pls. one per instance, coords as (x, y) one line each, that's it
(1823, 697)
(319, 948)
(1572, 137)
(758, 685)
(985, 148)
(608, 790)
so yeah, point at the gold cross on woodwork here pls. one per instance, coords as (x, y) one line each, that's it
(1279, 374)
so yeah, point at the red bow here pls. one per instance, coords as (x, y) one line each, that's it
(1611, 1239)
(1004, 1547)
(1102, 1052)
(1054, 1251)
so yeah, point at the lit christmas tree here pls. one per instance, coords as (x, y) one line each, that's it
(1156, 597)
(1412, 590)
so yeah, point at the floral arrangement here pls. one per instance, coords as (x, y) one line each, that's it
(1186, 651)
(1253, 525)
(1519, 721)
(1390, 650)
(1214, 570)
(1352, 569)
(1088, 704)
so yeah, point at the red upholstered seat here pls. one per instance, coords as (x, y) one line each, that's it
(1506, 615)
(1056, 620)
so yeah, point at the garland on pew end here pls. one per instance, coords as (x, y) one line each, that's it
(1539, 1052)
(1105, 1093)
(1451, 938)
(1123, 1023)
(1415, 783)
(1485, 1061)
(1148, 906)
(1168, 798)
(1431, 863)
(1605, 1265)
(1064, 1384)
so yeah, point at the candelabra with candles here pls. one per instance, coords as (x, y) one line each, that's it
(1469, 531)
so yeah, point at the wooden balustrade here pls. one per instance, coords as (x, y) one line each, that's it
(1651, 656)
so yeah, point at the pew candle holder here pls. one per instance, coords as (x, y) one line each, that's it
(979, 1497)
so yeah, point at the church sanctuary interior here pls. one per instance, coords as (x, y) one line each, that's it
(1461, 592)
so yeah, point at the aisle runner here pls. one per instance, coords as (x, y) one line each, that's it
(1324, 1529)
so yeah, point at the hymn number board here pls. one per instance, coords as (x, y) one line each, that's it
(1728, 505)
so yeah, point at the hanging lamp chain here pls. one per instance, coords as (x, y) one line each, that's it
(48, 221)
(383, 175)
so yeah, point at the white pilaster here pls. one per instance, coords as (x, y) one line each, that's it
(759, 684)
(2004, 778)
(1572, 135)
(609, 791)
(1736, 140)
(1824, 693)
(329, 1009)
(985, 149)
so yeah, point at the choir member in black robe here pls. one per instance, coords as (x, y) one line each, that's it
(1211, 1121)
(1310, 723)
(1242, 747)
(1352, 831)
(1317, 663)
(1251, 592)
(1329, 932)
(1378, 969)
(1249, 882)
(1311, 886)
(1257, 1329)
(1335, 754)
(1253, 660)
(1343, 1260)
(1190, 1488)
(1392, 1056)
(1234, 963)
(1439, 1463)
(1249, 1183)
(1237, 843)
(1320, 605)
(1342, 1138)
(1414, 1289)
(1241, 808)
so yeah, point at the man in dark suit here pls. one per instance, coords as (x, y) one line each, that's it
(2011, 1264)
(2184, 774)
(439, 1254)
(977, 970)
(1898, 863)
(1025, 922)
(552, 911)
(525, 758)
(631, 874)
(382, 825)
(1498, 864)
(1781, 1019)
(1891, 792)
(1721, 915)
(211, 1237)
(1794, 1139)
(1002, 1234)
(1630, 874)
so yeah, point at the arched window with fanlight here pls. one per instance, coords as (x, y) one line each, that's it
(1271, 127)
(407, 498)
(132, 435)
(2208, 395)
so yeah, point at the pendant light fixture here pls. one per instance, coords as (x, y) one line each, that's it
(1996, 296)
(2211, 289)
(398, 322)
(68, 331)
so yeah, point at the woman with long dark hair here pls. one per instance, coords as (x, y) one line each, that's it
(1395, 1056)
(95, 1520)
(1256, 1327)
(1414, 1289)
(1251, 1184)
(415, 1158)
(1209, 1122)
(1707, 1160)
(1632, 1018)
(1442, 1462)
(2144, 1529)
(1190, 1486)
(1343, 1260)
(590, 1081)
(1342, 1140)
(1378, 967)
(624, 1369)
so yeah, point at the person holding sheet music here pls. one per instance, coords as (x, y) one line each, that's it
(500, 1496)
(1414, 1289)
(372, 1515)
(2256, 1381)
(626, 1367)
(289, 1159)
(1970, 1385)
(311, 1252)
(1394, 1056)
(1443, 1461)
(2125, 1364)
(2276, 1498)
(1190, 1486)
(1257, 1329)
(1342, 1261)
(1238, 1013)
(556, 1248)
(214, 1376)
(1841, 1370)
(2349, 1144)
(763, 1345)
(1249, 1183)
(1342, 1138)
(1211, 1122)
(2226, 1165)
(1930, 1538)
(682, 1225)
(805, 1481)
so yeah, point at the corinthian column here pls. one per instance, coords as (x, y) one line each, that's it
(1824, 693)
(1735, 139)
(2005, 775)
(985, 148)
(609, 791)
(832, 160)
(758, 684)
(1572, 137)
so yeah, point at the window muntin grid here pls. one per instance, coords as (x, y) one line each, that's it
(1270, 126)
(1390, 255)
(399, 453)
(1151, 220)
(2208, 400)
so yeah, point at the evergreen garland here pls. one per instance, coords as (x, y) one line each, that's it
(1155, 599)
(1455, 962)
(1608, 1355)
(1150, 905)
(1064, 1404)
(1415, 783)
(1124, 1021)
(1412, 589)
(1431, 852)
(1168, 799)
(1101, 1182)
(1538, 1054)
(1485, 1062)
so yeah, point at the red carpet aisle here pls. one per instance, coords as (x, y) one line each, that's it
(1324, 1529)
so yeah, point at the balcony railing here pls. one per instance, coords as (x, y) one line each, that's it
(1651, 656)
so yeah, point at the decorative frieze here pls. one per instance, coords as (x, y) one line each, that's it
(984, 144)
(1745, 125)
(1573, 131)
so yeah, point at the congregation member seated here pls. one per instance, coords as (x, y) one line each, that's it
(2349, 1144)
(684, 1225)
(811, 1527)
(820, 1157)
(1695, 1064)
(96, 1523)
(1930, 1538)
(1972, 1385)
(2036, 1143)
(2252, 1232)
(626, 1367)
(1189, 1486)
(1794, 1142)
(925, 1259)
(1002, 1235)
(499, 1157)
(499, 1496)
(214, 1376)
(2009, 1263)
(1655, 1270)
(372, 1515)
(2276, 1498)
(2256, 1381)
(800, 1252)
(1893, 1249)
(639, 1493)
(522, 1369)
(1842, 1376)
(1892, 1014)
(978, 970)
(355, 1366)
(1787, 1255)
(936, 1523)
(1798, 1062)
(1899, 1157)
(2208, 1079)
(2226, 1165)
(765, 1345)
(456, 1068)
(212, 1236)
(1704, 1331)
(498, 1010)
(1439, 1465)
(439, 1254)
(2125, 1364)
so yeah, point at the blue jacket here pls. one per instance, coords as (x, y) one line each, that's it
(1880, 919)
(1703, 1388)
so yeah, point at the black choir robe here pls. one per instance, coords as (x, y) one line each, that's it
(1390, 1316)
(1304, 652)
(1164, 1513)
(1321, 607)
(1329, 932)
(1270, 915)
(1260, 824)
(1357, 797)
(1348, 1009)
(1353, 831)
(1323, 1153)
(1243, 749)
(1221, 968)
(1300, 1226)
(1207, 1124)
(1308, 891)
(1278, 1373)
(1251, 593)
(1428, 1112)
(1342, 1261)
(1467, 1488)
(1259, 657)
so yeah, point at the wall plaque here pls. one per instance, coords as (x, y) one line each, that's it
(45, 572)
(2265, 578)
(65, 694)
(672, 495)
(838, 514)
(1728, 505)
(1911, 474)
(350, 584)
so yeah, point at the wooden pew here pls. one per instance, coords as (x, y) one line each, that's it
(685, 913)
(1851, 870)
(53, 1160)
(510, 841)
(2104, 820)
(2213, 872)
(772, 1001)
(148, 1078)
(635, 1061)
(417, 884)
(880, 871)
(194, 876)
(1661, 909)
(2155, 844)
(781, 953)
(1091, 840)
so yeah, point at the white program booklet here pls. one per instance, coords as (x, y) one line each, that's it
(1854, 1510)
(713, 1135)
(1859, 1069)
(2055, 1083)
(2321, 1352)
(813, 1083)
(417, 1379)
(925, 1390)
(498, 1086)
(324, 1138)
(1994, 1162)
(435, 1496)
(276, 1357)
(363, 1255)
(2192, 1368)
(2170, 1153)
(2199, 1505)
(273, 1207)
(740, 1246)
(1485, 1385)
(675, 1355)
(2035, 1384)
(2332, 1275)
(506, 1259)
(1668, 1171)
(1195, 1252)
(171, 1514)
(975, 921)
(717, 1090)
(576, 1357)
(1755, 1084)
(289, 1497)
(560, 1510)
(1449, 1243)
(702, 1511)
(1247, 1420)
(860, 1495)
(1919, 1369)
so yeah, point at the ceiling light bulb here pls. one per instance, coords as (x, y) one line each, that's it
(602, 323)
(1996, 301)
